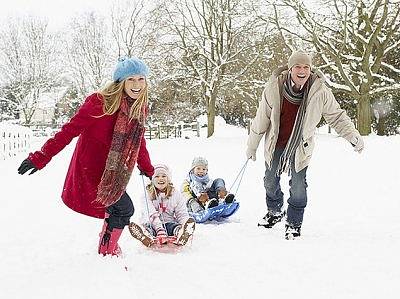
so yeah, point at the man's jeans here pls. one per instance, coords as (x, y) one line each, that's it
(298, 191)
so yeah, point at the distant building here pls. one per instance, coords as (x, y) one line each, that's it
(43, 116)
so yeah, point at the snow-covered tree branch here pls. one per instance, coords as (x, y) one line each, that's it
(208, 35)
(353, 39)
(27, 63)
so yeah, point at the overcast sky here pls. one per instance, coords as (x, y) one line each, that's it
(58, 12)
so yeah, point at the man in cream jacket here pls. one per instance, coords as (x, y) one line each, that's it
(292, 104)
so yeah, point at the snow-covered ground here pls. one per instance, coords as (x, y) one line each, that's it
(349, 246)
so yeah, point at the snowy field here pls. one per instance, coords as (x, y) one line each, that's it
(349, 246)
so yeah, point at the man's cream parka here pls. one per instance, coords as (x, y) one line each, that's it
(320, 103)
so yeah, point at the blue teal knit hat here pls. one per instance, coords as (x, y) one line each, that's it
(127, 67)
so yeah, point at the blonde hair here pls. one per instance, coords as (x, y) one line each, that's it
(112, 95)
(153, 190)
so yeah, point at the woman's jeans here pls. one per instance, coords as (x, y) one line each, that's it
(120, 212)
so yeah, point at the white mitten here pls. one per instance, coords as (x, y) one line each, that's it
(357, 143)
(251, 154)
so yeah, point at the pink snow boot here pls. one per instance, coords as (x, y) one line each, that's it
(108, 243)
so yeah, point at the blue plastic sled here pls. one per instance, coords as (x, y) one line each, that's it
(217, 213)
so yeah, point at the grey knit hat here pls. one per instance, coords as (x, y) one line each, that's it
(299, 57)
(199, 161)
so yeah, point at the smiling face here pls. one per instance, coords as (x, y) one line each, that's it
(134, 86)
(161, 181)
(300, 74)
(200, 170)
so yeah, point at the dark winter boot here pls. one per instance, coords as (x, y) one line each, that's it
(229, 198)
(185, 232)
(292, 232)
(270, 219)
(211, 203)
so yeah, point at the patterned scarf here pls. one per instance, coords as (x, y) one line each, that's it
(198, 184)
(121, 158)
(199, 179)
(298, 98)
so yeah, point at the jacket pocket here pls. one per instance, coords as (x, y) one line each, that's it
(308, 146)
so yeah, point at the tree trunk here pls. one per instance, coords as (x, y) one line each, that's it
(211, 116)
(364, 115)
(27, 116)
(381, 129)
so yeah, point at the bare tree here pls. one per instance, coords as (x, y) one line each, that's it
(27, 56)
(88, 53)
(133, 27)
(207, 35)
(241, 96)
(353, 40)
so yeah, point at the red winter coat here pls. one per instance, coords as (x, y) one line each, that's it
(90, 155)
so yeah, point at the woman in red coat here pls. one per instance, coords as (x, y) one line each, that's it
(110, 126)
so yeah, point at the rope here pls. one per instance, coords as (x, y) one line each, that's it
(240, 177)
(145, 198)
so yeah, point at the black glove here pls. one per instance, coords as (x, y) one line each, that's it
(145, 174)
(25, 166)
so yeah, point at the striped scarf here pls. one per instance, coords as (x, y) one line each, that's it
(297, 98)
(121, 158)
